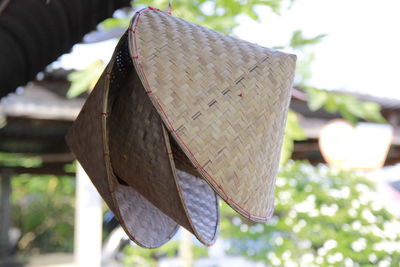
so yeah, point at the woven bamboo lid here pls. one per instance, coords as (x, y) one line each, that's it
(222, 99)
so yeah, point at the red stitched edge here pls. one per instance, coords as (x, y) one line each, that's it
(198, 165)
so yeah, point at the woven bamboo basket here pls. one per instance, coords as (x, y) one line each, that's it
(180, 114)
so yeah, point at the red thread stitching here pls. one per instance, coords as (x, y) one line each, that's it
(153, 8)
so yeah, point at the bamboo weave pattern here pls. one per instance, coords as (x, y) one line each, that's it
(180, 114)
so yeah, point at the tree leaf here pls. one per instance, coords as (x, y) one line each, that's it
(299, 41)
(84, 80)
(293, 132)
(316, 98)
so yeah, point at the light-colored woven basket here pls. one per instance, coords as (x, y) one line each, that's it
(181, 110)
(223, 100)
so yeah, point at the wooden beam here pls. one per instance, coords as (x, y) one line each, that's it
(57, 158)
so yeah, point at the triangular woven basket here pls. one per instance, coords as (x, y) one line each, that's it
(180, 108)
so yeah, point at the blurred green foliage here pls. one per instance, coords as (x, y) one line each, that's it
(303, 47)
(348, 106)
(137, 256)
(43, 210)
(293, 132)
(219, 15)
(112, 23)
(298, 40)
(13, 160)
(71, 167)
(322, 217)
(84, 80)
